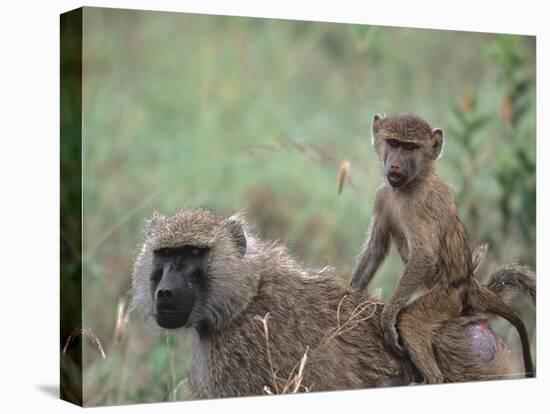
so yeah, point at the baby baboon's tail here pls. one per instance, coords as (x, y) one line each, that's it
(514, 277)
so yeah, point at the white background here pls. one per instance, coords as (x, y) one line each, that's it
(29, 191)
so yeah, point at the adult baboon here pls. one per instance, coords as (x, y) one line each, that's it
(254, 313)
(416, 209)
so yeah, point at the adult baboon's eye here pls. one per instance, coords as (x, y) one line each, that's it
(156, 276)
(165, 251)
(393, 143)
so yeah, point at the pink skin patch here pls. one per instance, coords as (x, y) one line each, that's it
(485, 342)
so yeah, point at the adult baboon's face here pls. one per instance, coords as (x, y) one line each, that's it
(178, 282)
(191, 271)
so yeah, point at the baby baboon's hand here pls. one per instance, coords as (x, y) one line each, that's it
(391, 337)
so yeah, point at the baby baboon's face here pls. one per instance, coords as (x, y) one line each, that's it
(178, 280)
(407, 146)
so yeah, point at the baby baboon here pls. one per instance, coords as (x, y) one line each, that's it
(416, 209)
(212, 277)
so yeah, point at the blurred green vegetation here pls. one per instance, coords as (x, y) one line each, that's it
(257, 115)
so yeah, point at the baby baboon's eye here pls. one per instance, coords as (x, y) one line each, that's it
(409, 146)
(195, 252)
(393, 143)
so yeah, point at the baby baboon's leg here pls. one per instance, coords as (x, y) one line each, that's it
(417, 324)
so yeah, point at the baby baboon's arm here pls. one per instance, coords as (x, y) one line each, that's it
(373, 254)
(417, 270)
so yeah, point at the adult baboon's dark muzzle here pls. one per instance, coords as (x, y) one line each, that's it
(174, 298)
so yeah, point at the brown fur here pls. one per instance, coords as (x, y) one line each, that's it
(306, 308)
(421, 218)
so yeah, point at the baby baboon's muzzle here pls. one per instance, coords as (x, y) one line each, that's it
(396, 180)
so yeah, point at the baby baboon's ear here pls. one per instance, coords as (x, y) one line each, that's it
(236, 230)
(437, 142)
(377, 120)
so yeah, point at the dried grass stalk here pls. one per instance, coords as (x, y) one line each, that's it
(87, 332)
(294, 381)
(343, 172)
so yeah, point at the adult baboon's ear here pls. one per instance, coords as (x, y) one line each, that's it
(236, 230)
(437, 142)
